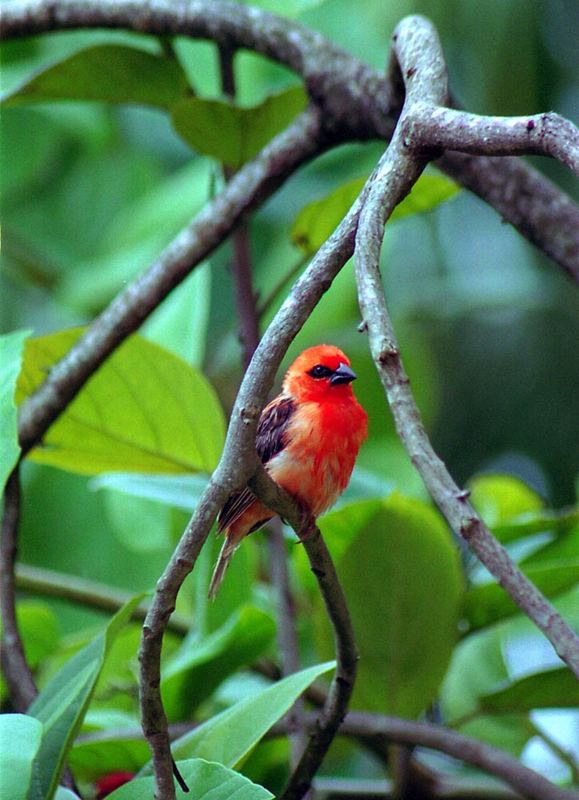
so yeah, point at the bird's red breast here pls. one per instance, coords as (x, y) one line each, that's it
(308, 437)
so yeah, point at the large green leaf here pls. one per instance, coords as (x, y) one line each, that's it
(233, 134)
(317, 220)
(111, 73)
(488, 603)
(20, 737)
(210, 782)
(402, 577)
(61, 705)
(229, 737)
(11, 346)
(555, 688)
(145, 410)
(199, 666)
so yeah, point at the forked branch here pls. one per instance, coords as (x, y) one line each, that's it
(399, 169)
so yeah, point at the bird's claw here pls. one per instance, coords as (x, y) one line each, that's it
(308, 527)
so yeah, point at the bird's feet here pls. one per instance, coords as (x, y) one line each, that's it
(308, 527)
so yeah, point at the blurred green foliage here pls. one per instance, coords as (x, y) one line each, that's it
(91, 192)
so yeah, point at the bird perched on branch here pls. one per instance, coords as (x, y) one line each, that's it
(308, 438)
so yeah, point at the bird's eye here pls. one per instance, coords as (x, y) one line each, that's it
(319, 371)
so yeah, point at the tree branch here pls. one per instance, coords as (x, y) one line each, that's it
(363, 726)
(356, 101)
(400, 168)
(491, 759)
(17, 672)
(255, 181)
(540, 135)
(98, 596)
(238, 464)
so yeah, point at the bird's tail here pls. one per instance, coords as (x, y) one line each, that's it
(225, 557)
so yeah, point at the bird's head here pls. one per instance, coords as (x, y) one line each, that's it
(319, 373)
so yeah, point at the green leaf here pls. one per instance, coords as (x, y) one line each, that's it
(557, 522)
(211, 782)
(178, 491)
(488, 603)
(39, 629)
(92, 757)
(339, 529)
(554, 688)
(111, 73)
(229, 736)
(402, 577)
(145, 410)
(563, 548)
(199, 666)
(230, 133)
(63, 702)
(20, 737)
(11, 346)
(317, 220)
(500, 499)
(181, 325)
(476, 669)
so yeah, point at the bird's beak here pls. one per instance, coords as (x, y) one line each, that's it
(343, 375)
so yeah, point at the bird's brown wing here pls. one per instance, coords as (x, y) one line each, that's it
(271, 438)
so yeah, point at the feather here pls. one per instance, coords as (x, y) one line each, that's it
(269, 441)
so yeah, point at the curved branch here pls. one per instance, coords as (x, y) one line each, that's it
(357, 102)
(238, 464)
(491, 759)
(255, 181)
(400, 169)
(17, 672)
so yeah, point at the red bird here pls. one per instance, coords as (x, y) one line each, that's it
(308, 438)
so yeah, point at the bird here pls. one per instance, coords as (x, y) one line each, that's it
(308, 438)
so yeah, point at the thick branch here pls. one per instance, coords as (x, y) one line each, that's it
(255, 181)
(398, 172)
(17, 672)
(357, 102)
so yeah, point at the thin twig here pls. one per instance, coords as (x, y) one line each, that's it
(99, 596)
(287, 631)
(398, 173)
(358, 102)
(248, 315)
(245, 300)
(342, 686)
(19, 678)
